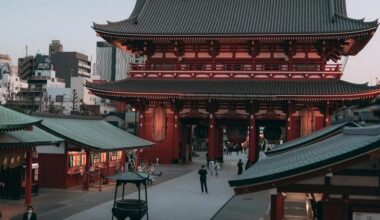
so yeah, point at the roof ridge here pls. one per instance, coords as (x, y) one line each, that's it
(361, 20)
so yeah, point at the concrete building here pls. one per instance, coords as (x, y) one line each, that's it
(55, 47)
(88, 103)
(36, 96)
(26, 66)
(10, 83)
(113, 64)
(71, 64)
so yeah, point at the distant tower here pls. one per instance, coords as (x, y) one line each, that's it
(55, 46)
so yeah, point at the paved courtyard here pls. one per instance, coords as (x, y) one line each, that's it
(175, 195)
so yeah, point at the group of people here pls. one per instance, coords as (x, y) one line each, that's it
(238, 148)
(213, 167)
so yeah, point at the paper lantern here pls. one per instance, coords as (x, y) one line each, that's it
(237, 133)
(159, 123)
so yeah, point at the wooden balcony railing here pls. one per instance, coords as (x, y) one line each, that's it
(237, 70)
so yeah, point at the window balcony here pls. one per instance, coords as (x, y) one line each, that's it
(253, 71)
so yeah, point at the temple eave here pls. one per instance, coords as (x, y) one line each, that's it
(243, 36)
(162, 96)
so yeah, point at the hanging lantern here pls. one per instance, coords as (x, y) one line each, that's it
(159, 123)
(237, 133)
(201, 131)
(272, 133)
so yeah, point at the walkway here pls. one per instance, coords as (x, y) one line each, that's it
(180, 198)
(175, 195)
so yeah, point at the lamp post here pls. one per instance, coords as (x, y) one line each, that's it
(135, 124)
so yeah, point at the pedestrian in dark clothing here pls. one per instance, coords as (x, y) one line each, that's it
(29, 214)
(240, 167)
(208, 160)
(203, 178)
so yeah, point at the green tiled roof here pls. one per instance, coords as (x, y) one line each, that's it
(237, 88)
(12, 120)
(351, 143)
(308, 139)
(93, 134)
(24, 138)
(236, 17)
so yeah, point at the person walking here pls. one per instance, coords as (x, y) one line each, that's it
(240, 167)
(203, 178)
(216, 167)
(29, 214)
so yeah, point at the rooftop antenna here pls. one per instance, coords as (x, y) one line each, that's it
(26, 50)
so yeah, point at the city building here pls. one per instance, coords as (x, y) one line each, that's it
(55, 47)
(112, 63)
(71, 64)
(36, 97)
(10, 83)
(234, 68)
(26, 67)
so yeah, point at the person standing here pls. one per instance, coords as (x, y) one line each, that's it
(203, 178)
(29, 214)
(216, 167)
(211, 167)
(240, 167)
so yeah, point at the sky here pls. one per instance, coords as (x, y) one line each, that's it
(36, 22)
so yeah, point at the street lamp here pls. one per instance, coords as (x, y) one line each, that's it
(135, 124)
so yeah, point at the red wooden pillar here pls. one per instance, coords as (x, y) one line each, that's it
(87, 171)
(290, 123)
(141, 123)
(252, 155)
(220, 143)
(326, 120)
(176, 136)
(141, 132)
(28, 178)
(189, 137)
(106, 169)
(211, 137)
(123, 158)
(277, 207)
(184, 142)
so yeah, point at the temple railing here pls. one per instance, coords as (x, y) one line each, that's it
(236, 70)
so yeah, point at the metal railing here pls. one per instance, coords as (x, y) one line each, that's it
(232, 70)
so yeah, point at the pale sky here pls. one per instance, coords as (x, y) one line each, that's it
(36, 22)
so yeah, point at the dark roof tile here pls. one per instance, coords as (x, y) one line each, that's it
(236, 17)
(234, 88)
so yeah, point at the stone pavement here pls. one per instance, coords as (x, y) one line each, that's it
(175, 195)
(181, 198)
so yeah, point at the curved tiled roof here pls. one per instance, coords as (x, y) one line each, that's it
(23, 139)
(311, 138)
(220, 89)
(93, 134)
(12, 120)
(236, 17)
(351, 144)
